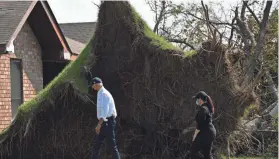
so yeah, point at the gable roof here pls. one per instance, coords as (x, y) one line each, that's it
(78, 34)
(76, 46)
(11, 14)
(14, 14)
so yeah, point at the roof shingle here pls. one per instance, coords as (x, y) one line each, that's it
(11, 14)
(81, 32)
(78, 34)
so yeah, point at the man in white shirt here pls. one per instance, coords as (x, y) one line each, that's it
(106, 114)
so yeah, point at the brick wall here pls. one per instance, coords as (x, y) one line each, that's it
(5, 95)
(28, 49)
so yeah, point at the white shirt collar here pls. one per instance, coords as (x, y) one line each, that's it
(101, 89)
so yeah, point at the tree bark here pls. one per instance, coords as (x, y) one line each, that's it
(160, 18)
(263, 27)
(254, 60)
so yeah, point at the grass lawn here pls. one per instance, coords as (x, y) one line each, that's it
(249, 157)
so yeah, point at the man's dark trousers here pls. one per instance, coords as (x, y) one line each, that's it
(107, 132)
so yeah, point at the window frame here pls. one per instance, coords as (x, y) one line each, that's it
(13, 60)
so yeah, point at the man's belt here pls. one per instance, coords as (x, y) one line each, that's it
(111, 117)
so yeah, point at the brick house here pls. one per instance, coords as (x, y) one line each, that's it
(33, 50)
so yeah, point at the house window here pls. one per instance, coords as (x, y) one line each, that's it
(16, 85)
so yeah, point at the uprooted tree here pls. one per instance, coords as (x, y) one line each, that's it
(152, 83)
(250, 27)
(253, 31)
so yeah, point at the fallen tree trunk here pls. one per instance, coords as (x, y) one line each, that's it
(152, 83)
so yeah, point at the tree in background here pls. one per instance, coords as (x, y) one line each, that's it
(186, 25)
(250, 27)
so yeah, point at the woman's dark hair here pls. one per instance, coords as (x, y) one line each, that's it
(206, 98)
(211, 105)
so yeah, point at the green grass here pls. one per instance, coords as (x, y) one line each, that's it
(253, 158)
(249, 157)
(190, 53)
(157, 40)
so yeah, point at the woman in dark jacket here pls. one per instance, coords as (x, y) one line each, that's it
(205, 131)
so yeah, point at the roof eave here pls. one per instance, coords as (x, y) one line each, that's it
(21, 23)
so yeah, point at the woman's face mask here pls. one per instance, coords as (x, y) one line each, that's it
(197, 102)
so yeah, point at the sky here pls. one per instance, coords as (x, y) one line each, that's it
(67, 11)
(85, 11)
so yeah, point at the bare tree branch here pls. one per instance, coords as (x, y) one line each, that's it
(251, 11)
(179, 41)
(232, 30)
(258, 51)
(182, 42)
(210, 22)
(255, 60)
(156, 11)
(205, 9)
(96, 4)
(151, 6)
(263, 27)
(242, 14)
(160, 18)
(247, 36)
